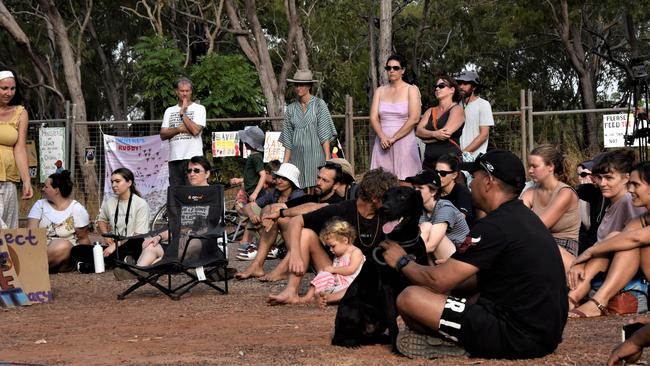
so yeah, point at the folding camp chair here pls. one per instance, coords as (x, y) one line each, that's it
(197, 243)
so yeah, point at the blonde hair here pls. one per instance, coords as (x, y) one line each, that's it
(338, 227)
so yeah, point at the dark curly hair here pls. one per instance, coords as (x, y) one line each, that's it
(375, 183)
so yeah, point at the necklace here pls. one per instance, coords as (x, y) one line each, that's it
(374, 238)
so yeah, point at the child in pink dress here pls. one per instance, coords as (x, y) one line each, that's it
(332, 281)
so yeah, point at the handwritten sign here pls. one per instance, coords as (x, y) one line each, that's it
(273, 149)
(225, 144)
(51, 146)
(614, 126)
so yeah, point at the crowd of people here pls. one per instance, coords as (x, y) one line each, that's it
(509, 260)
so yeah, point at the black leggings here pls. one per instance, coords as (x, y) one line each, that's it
(84, 253)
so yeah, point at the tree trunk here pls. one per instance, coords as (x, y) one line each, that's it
(73, 81)
(372, 47)
(110, 85)
(385, 37)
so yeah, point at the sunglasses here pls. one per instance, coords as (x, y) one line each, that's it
(195, 171)
(584, 174)
(444, 173)
(442, 86)
(394, 68)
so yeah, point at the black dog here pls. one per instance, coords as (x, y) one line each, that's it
(368, 307)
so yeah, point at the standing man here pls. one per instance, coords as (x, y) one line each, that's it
(478, 115)
(182, 126)
(514, 266)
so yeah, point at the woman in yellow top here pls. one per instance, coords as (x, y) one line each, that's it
(13, 151)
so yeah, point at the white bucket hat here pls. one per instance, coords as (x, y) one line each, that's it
(303, 76)
(290, 172)
(6, 75)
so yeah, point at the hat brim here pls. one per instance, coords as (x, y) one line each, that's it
(292, 180)
(302, 81)
(470, 167)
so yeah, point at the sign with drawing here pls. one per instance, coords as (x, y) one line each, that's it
(51, 148)
(273, 149)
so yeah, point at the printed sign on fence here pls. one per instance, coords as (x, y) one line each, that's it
(51, 146)
(614, 126)
(225, 144)
(146, 157)
(24, 277)
(273, 149)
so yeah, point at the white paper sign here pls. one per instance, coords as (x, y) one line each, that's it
(51, 147)
(614, 126)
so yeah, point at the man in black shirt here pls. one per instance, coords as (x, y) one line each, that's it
(302, 232)
(521, 307)
(332, 185)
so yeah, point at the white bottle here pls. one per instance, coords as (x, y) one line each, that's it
(98, 258)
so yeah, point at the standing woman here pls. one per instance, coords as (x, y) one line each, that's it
(125, 214)
(441, 126)
(13, 151)
(553, 200)
(307, 130)
(65, 220)
(394, 114)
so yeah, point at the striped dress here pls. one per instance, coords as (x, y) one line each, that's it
(304, 134)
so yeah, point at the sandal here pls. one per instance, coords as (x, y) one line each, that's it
(573, 302)
(580, 314)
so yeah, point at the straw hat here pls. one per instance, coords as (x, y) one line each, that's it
(253, 136)
(303, 76)
(290, 172)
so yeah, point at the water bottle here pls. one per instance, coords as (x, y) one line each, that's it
(98, 257)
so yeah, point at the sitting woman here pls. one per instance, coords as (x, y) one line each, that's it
(448, 170)
(611, 174)
(442, 226)
(125, 214)
(553, 200)
(65, 219)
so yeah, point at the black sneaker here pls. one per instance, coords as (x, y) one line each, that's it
(417, 345)
(84, 267)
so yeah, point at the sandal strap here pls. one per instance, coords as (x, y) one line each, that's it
(601, 307)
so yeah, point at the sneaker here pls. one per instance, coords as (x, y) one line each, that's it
(243, 247)
(417, 345)
(249, 255)
(273, 253)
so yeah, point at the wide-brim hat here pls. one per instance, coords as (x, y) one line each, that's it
(253, 136)
(303, 76)
(502, 164)
(290, 172)
(346, 167)
(425, 177)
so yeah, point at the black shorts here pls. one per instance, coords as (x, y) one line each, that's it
(483, 333)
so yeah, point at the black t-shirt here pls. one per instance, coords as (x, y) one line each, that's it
(369, 232)
(597, 207)
(313, 198)
(461, 197)
(520, 270)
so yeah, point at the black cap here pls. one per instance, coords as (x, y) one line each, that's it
(425, 177)
(502, 164)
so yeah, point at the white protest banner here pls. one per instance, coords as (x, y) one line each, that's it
(614, 126)
(24, 277)
(146, 157)
(51, 146)
(225, 144)
(273, 149)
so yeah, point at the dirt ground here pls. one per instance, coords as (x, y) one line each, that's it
(87, 325)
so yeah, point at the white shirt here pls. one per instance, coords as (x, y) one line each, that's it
(138, 215)
(477, 113)
(60, 224)
(184, 145)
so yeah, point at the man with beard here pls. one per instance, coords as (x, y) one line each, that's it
(333, 184)
(478, 115)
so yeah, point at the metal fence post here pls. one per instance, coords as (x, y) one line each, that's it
(68, 136)
(349, 130)
(522, 119)
(72, 135)
(531, 136)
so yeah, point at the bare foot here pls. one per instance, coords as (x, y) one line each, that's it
(249, 273)
(274, 276)
(285, 297)
(306, 299)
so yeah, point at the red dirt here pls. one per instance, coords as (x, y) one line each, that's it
(87, 325)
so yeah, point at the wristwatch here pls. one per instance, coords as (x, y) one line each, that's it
(403, 261)
(182, 115)
(282, 212)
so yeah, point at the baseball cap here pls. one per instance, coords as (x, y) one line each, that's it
(502, 164)
(469, 76)
(425, 177)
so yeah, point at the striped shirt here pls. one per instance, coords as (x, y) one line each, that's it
(304, 134)
(445, 211)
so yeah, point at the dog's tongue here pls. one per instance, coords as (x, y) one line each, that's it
(388, 227)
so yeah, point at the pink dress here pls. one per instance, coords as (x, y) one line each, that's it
(331, 283)
(403, 158)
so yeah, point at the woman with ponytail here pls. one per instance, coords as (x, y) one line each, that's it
(553, 199)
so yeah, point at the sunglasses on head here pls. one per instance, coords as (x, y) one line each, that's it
(394, 68)
(441, 86)
(444, 173)
(584, 174)
(194, 170)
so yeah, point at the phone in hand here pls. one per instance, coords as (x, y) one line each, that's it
(629, 329)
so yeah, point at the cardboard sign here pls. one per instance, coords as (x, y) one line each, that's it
(225, 144)
(273, 149)
(32, 159)
(51, 144)
(24, 277)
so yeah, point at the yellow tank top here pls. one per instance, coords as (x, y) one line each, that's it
(8, 138)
